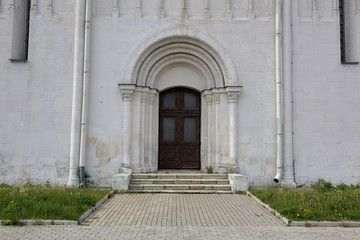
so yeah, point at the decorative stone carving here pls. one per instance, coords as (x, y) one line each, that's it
(127, 92)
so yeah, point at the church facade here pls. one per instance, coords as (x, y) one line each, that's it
(265, 88)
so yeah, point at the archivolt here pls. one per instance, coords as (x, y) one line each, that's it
(179, 50)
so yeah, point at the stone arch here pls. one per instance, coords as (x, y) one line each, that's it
(195, 48)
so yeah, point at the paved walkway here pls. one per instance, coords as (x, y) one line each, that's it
(181, 216)
(179, 210)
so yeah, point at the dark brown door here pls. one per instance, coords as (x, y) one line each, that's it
(179, 130)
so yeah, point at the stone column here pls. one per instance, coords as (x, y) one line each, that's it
(127, 96)
(209, 101)
(233, 97)
(217, 161)
(143, 114)
(150, 144)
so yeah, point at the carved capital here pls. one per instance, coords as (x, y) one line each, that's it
(209, 99)
(233, 97)
(216, 98)
(127, 95)
(152, 95)
(233, 94)
(144, 97)
(127, 92)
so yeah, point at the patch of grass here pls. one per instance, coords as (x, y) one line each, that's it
(45, 202)
(322, 202)
(209, 170)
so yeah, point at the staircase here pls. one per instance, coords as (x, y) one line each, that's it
(179, 183)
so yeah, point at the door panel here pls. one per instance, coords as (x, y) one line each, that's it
(179, 130)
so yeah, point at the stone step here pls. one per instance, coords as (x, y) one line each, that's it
(179, 181)
(183, 191)
(180, 187)
(178, 176)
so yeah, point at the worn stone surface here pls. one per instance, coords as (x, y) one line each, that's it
(121, 182)
(238, 182)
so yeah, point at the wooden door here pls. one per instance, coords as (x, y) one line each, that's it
(179, 130)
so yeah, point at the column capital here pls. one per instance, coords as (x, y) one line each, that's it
(152, 95)
(127, 91)
(233, 94)
(144, 94)
(209, 99)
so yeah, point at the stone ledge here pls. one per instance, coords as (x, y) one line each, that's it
(238, 182)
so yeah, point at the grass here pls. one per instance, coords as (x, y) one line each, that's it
(322, 202)
(45, 202)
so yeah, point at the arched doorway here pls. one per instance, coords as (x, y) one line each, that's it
(190, 63)
(179, 129)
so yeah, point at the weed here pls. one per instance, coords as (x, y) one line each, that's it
(307, 224)
(322, 185)
(209, 170)
(38, 222)
(11, 223)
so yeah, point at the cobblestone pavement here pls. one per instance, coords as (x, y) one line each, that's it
(179, 216)
(180, 210)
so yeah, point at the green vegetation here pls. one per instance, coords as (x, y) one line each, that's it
(45, 202)
(209, 170)
(322, 202)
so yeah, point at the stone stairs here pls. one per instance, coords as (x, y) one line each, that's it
(179, 183)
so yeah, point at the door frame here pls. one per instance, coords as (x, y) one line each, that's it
(180, 113)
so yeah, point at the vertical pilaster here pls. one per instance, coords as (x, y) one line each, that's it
(335, 6)
(49, 8)
(115, 12)
(233, 97)
(151, 127)
(206, 9)
(143, 158)
(184, 10)
(161, 13)
(12, 5)
(127, 92)
(251, 9)
(217, 147)
(228, 10)
(34, 6)
(138, 10)
(209, 102)
(314, 5)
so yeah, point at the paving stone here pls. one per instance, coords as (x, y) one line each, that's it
(179, 216)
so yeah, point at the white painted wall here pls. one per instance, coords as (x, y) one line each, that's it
(35, 97)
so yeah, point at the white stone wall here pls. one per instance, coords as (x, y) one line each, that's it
(248, 38)
(35, 96)
(325, 93)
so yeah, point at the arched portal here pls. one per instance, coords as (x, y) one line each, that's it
(180, 62)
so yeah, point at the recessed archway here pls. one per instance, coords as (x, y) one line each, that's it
(180, 61)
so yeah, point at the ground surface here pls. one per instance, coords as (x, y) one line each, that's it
(179, 216)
